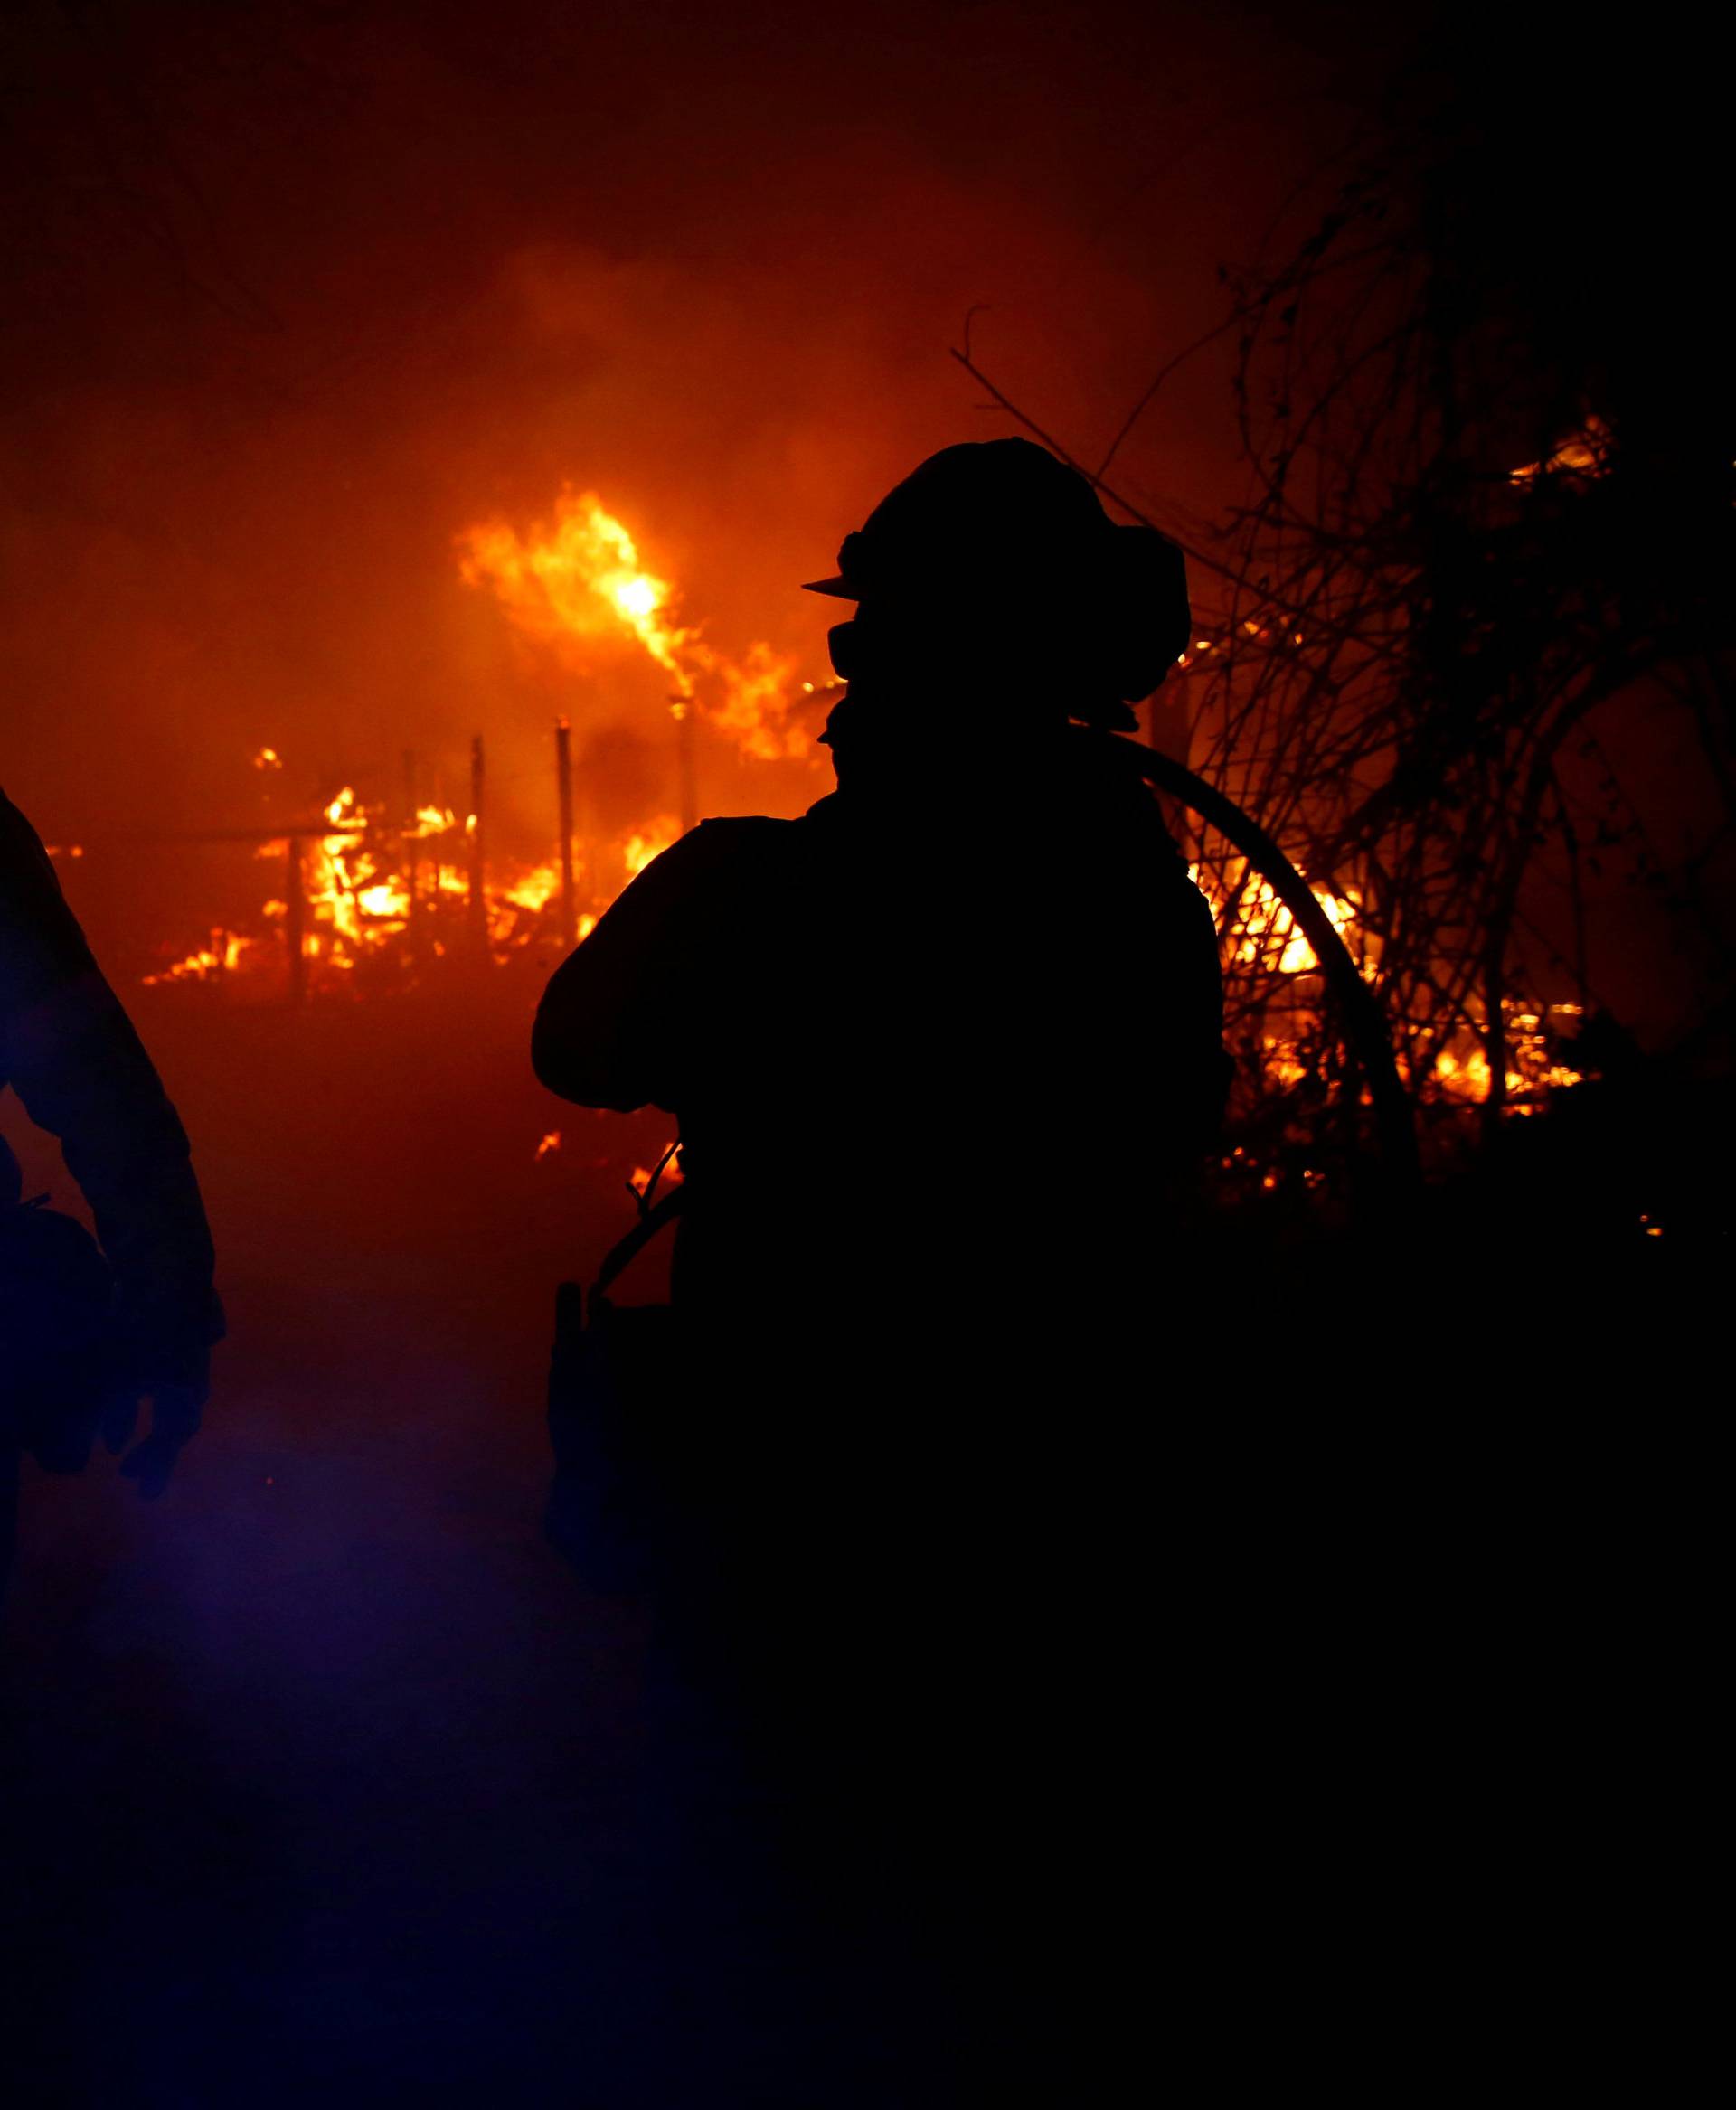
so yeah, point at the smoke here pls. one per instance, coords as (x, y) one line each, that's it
(299, 294)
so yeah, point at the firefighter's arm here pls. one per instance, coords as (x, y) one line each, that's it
(616, 1026)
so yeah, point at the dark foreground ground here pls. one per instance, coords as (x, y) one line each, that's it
(324, 1774)
(327, 1778)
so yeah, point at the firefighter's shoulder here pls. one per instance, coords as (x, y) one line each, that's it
(719, 854)
(740, 835)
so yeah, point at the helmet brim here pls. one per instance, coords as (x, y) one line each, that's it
(838, 587)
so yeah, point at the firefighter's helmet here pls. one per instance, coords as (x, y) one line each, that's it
(1003, 528)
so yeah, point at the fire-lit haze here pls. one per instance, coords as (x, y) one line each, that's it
(316, 318)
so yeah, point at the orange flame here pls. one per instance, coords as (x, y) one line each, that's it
(648, 842)
(222, 955)
(579, 577)
(667, 1171)
(1263, 933)
(1576, 458)
(366, 882)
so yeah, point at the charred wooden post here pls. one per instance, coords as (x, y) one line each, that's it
(295, 921)
(412, 847)
(476, 904)
(563, 785)
(681, 709)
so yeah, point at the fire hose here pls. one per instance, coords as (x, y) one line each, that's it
(1364, 1021)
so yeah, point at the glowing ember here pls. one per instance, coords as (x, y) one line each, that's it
(222, 955)
(666, 1172)
(1578, 459)
(549, 1146)
(1533, 1069)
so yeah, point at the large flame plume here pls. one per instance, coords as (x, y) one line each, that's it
(578, 579)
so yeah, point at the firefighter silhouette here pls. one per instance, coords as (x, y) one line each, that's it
(946, 1051)
(946, 1057)
(954, 1036)
(88, 1332)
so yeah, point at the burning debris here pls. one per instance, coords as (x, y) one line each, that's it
(1258, 930)
(222, 955)
(648, 842)
(1578, 459)
(363, 892)
(1538, 1040)
(1270, 965)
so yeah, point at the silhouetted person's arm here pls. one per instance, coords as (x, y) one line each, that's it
(620, 1021)
(70, 1053)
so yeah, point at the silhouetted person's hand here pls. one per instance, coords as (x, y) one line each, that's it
(169, 1369)
(176, 1411)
